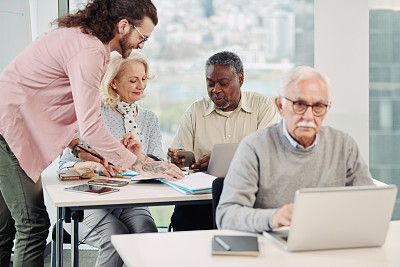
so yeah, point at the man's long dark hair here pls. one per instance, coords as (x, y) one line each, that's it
(100, 17)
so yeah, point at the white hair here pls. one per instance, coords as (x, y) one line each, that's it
(299, 74)
(115, 68)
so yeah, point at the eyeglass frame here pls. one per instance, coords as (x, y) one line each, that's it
(327, 106)
(144, 38)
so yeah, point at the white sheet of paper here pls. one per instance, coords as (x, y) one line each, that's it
(195, 181)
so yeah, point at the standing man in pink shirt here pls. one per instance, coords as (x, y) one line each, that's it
(50, 92)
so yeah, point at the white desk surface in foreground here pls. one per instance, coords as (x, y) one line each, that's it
(193, 249)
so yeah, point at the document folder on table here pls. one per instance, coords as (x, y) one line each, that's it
(196, 183)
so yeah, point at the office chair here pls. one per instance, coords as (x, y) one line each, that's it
(217, 186)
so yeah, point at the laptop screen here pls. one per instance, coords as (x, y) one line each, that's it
(221, 157)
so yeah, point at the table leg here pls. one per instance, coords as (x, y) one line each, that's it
(59, 237)
(74, 239)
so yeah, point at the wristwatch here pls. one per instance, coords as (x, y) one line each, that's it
(75, 149)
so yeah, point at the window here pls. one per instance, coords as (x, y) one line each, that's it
(269, 36)
(384, 100)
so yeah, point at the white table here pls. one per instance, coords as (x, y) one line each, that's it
(193, 248)
(134, 194)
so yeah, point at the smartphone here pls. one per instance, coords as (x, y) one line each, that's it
(91, 189)
(108, 182)
(188, 155)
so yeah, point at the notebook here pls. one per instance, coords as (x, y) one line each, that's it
(68, 175)
(221, 157)
(241, 245)
(338, 217)
(196, 183)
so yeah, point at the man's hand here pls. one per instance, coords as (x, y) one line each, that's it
(83, 155)
(158, 169)
(283, 216)
(202, 163)
(175, 159)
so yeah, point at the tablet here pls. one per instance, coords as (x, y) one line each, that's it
(91, 189)
(108, 182)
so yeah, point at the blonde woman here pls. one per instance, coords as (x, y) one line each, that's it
(122, 86)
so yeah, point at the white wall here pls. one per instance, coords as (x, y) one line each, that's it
(42, 13)
(15, 29)
(342, 53)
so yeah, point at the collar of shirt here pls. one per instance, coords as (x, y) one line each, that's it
(293, 142)
(243, 104)
(108, 55)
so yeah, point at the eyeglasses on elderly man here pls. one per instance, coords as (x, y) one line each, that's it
(300, 107)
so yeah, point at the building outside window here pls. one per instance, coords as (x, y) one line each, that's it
(269, 36)
(384, 93)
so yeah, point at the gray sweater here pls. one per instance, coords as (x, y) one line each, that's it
(267, 170)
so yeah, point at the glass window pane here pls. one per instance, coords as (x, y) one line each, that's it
(74, 5)
(384, 57)
(269, 36)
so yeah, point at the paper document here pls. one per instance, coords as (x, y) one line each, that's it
(193, 183)
(188, 192)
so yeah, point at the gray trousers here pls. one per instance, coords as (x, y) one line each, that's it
(23, 215)
(131, 220)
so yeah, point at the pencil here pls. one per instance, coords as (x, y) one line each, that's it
(91, 153)
(222, 243)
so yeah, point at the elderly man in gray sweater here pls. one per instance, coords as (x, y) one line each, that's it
(272, 163)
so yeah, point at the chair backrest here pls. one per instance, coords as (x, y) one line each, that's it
(217, 186)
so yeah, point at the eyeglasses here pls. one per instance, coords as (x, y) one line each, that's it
(299, 107)
(144, 38)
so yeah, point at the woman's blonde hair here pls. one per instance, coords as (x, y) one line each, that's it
(115, 68)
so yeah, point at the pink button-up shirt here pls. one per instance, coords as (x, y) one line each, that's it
(49, 92)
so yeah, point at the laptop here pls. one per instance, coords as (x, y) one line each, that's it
(221, 157)
(337, 217)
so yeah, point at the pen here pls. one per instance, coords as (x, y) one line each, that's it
(122, 175)
(222, 243)
(97, 156)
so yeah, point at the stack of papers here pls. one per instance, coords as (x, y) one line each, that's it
(197, 183)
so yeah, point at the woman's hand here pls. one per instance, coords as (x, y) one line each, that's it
(107, 169)
(94, 166)
(129, 141)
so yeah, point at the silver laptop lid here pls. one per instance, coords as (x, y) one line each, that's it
(341, 217)
(221, 157)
